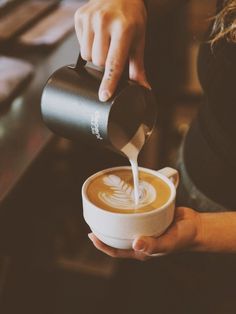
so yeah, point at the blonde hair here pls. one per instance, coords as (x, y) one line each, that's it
(225, 23)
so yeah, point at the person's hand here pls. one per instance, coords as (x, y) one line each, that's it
(111, 33)
(183, 234)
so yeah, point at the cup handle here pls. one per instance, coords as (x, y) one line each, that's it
(171, 174)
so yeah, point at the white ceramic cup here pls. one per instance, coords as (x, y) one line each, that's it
(119, 230)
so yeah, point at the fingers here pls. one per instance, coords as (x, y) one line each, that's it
(112, 252)
(115, 62)
(101, 42)
(154, 246)
(87, 41)
(100, 49)
(78, 26)
(84, 31)
(106, 31)
(109, 250)
(136, 64)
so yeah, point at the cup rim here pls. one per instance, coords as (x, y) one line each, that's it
(154, 172)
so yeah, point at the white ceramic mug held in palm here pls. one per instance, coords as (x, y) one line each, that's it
(119, 230)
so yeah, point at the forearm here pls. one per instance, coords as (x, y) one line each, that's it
(217, 232)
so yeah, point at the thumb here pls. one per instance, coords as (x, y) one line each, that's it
(150, 245)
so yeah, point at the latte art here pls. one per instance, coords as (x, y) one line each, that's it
(121, 194)
(114, 191)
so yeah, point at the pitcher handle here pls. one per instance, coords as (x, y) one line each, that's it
(80, 63)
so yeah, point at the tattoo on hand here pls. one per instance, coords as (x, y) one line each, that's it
(110, 74)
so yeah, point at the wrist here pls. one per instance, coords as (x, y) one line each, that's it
(216, 232)
(199, 240)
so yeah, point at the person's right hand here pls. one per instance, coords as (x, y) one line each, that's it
(111, 33)
(184, 234)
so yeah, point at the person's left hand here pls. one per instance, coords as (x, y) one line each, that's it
(183, 234)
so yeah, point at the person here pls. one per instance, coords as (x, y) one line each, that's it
(112, 32)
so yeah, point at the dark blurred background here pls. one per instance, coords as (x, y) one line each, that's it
(47, 264)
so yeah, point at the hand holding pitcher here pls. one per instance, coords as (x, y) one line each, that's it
(111, 33)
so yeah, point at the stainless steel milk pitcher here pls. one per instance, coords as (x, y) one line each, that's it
(71, 107)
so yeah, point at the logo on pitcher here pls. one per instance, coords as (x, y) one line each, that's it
(95, 125)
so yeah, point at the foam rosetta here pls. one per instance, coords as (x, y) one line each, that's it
(114, 191)
(121, 195)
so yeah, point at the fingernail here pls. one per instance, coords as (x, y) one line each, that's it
(139, 245)
(90, 236)
(147, 85)
(104, 95)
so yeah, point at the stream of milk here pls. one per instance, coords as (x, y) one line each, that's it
(132, 150)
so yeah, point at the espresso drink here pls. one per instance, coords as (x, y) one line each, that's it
(114, 191)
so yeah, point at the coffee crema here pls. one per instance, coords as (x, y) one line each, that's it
(114, 191)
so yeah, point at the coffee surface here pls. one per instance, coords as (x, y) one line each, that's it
(114, 191)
